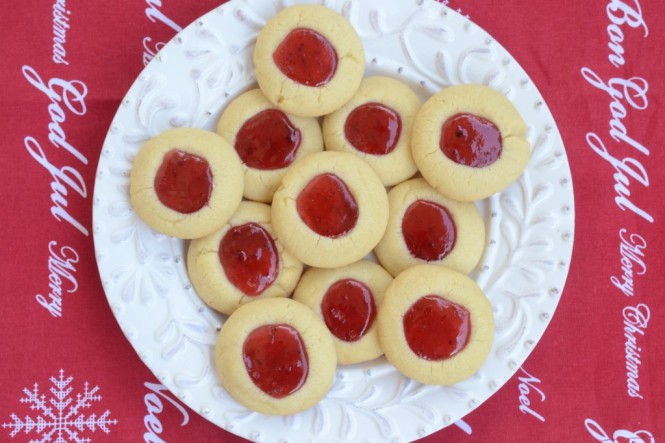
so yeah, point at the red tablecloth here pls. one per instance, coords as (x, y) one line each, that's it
(595, 375)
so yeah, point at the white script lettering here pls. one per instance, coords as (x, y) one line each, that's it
(464, 426)
(72, 94)
(60, 27)
(61, 268)
(156, 15)
(635, 321)
(618, 436)
(634, 93)
(632, 255)
(63, 178)
(624, 169)
(155, 407)
(148, 52)
(620, 14)
(624, 94)
(527, 384)
(66, 178)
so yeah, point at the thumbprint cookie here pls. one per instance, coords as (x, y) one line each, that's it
(347, 299)
(186, 182)
(469, 142)
(330, 210)
(308, 60)
(376, 125)
(435, 325)
(426, 227)
(275, 356)
(267, 141)
(242, 261)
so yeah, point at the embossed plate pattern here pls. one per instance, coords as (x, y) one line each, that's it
(530, 225)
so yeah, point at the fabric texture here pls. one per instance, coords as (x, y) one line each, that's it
(596, 374)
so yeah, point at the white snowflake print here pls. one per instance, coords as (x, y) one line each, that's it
(59, 418)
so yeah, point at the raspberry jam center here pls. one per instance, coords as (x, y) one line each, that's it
(373, 128)
(436, 329)
(306, 57)
(183, 181)
(470, 140)
(276, 359)
(348, 309)
(249, 258)
(429, 230)
(268, 140)
(327, 206)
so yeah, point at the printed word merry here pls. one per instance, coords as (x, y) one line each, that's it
(528, 383)
(618, 436)
(154, 405)
(71, 95)
(60, 27)
(635, 321)
(61, 268)
(632, 256)
(156, 15)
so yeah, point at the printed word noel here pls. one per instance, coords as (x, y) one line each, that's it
(528, 384)
(154, 405)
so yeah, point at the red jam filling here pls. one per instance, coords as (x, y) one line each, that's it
(435, 328)
(249, 258)
(373, 128)
(327, 206)
(268, 140)
(306, 57)
(470, 140)
(348, 309)
(428, 230)
(183, 181)
(276, 359)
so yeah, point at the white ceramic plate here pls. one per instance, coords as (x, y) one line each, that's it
(523, 271)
